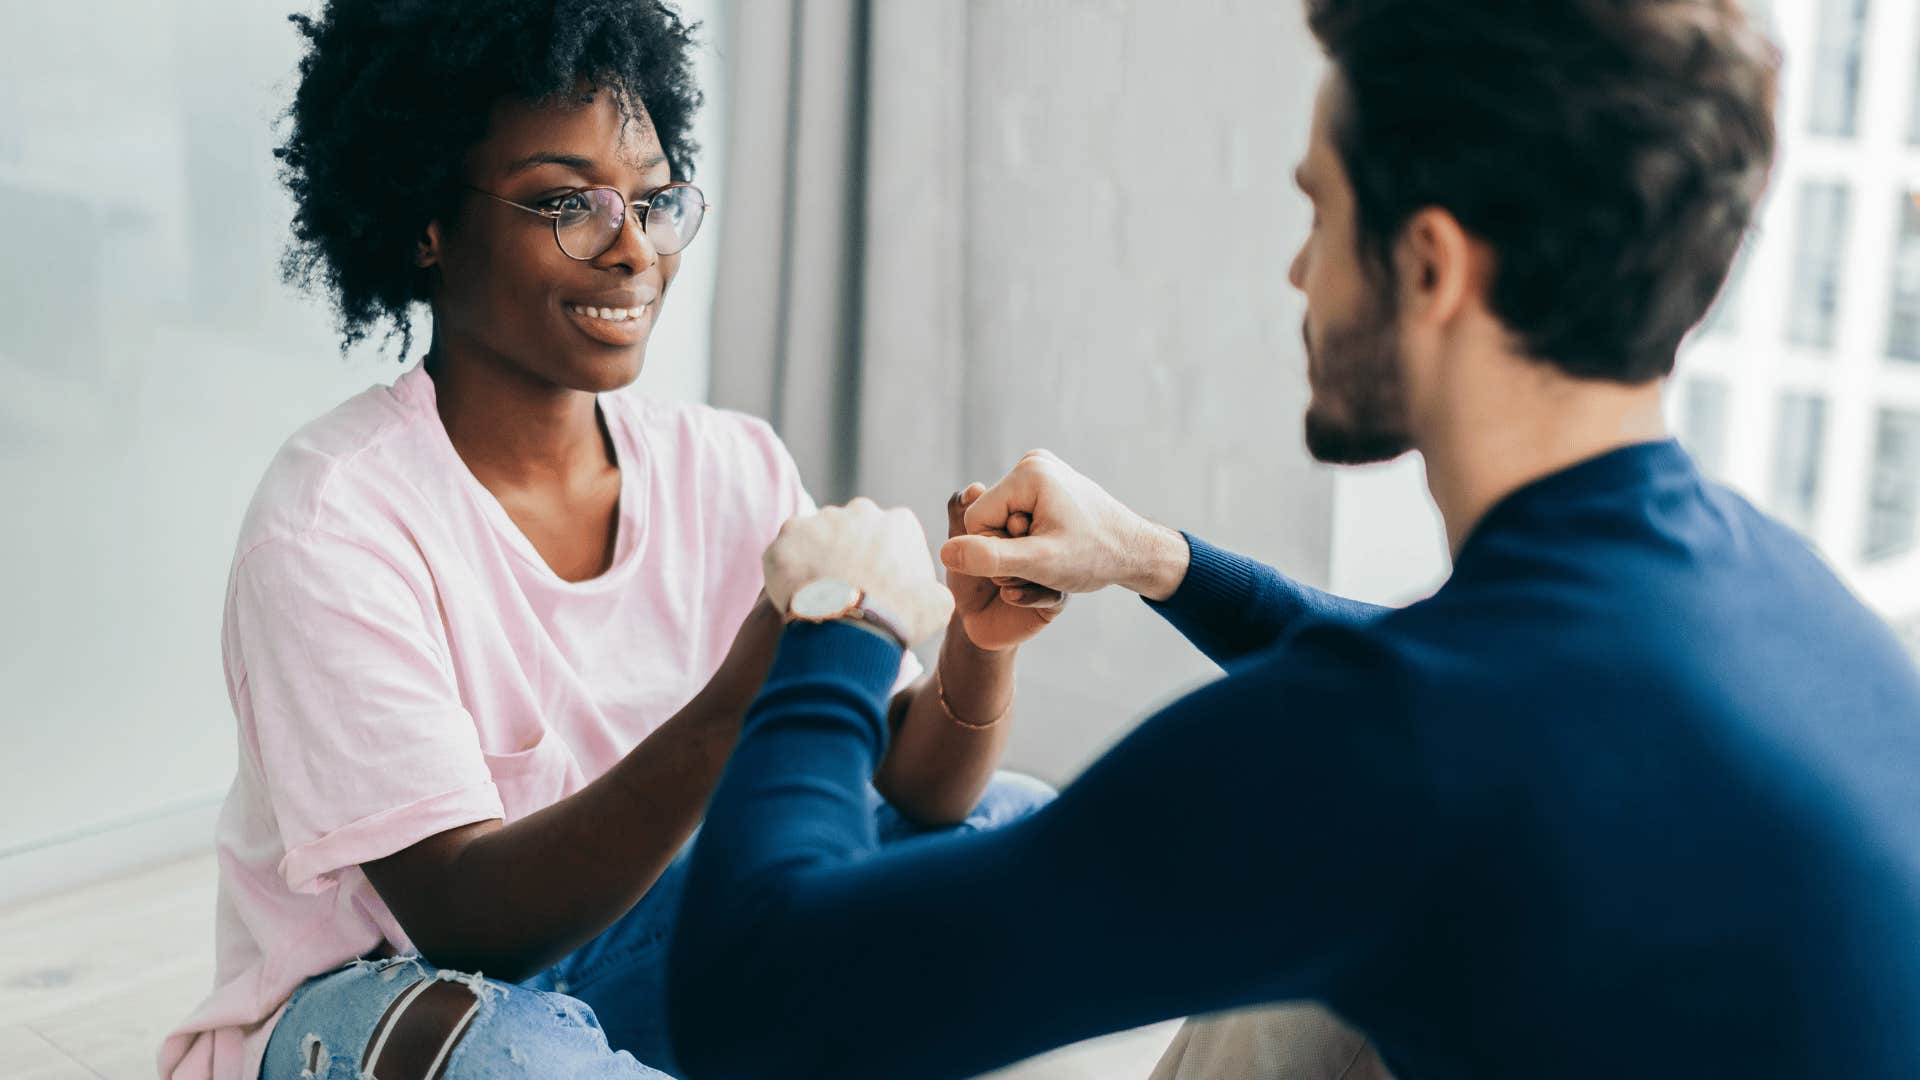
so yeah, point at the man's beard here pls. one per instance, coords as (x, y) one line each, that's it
(1359, 375)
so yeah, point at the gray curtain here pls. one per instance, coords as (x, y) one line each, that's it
(787, 303)
(834, 314)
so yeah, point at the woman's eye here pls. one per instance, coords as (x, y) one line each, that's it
(570, 203)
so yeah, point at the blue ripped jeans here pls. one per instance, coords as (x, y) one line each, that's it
(601, 1012)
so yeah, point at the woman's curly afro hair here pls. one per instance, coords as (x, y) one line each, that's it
(393, 93)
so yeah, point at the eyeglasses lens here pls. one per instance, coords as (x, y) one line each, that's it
(589, 221)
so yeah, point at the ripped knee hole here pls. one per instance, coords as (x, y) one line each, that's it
(417, 1033)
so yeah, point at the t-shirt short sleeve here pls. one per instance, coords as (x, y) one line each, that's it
(363, 743)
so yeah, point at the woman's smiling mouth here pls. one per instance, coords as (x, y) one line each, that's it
(622, 326)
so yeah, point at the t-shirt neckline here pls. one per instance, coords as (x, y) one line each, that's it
(416, 387)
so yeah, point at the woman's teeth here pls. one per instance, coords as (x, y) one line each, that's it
(611, 314)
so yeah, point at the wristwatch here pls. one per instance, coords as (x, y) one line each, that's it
(829, 599)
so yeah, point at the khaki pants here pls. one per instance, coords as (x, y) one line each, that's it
(1279, 1042)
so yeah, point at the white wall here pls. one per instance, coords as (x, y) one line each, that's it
(150, 364)
(1389, 542)
(1080, 226)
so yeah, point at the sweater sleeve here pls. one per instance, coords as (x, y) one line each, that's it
(1191, 869)
(1230, 605)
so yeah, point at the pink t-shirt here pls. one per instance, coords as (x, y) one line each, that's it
(401, 661)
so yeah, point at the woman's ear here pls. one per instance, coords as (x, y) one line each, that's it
(426, 250)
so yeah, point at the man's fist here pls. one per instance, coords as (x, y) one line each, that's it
(1078, 537)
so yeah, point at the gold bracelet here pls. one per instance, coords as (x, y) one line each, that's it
(940, 691)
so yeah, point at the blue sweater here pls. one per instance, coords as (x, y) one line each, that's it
(1636, 794)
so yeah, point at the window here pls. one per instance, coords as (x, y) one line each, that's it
(1797, 441)
(1894, 492)
(1814, 423)
(1825, 209)
(1724, 317)
(1703, 423)
(1903, 314)
(1836, 67)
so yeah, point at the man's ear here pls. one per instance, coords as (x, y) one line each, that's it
(1439, 266)
(426, 250)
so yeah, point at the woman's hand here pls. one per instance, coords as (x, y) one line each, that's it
(882, 552)
(996, 614)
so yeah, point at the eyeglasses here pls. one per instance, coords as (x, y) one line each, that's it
(587, 221)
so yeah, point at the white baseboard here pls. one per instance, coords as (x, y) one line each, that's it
(108, 850)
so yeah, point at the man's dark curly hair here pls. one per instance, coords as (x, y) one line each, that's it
(394, 92)
(1610, 152)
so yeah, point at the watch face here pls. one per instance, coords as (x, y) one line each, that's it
(823, 599)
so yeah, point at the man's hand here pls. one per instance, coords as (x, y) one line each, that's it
(994, 616)
(1081, 539)
(882, 552)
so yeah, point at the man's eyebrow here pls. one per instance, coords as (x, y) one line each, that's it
(547, 157)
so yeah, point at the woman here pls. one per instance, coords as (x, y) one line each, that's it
(480, 634)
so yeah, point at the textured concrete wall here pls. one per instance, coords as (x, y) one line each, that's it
(1079, 224)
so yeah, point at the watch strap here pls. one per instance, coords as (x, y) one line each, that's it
(871, 618)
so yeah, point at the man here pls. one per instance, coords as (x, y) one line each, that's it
(1632, 795)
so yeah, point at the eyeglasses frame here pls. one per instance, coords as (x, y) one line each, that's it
(645, 204)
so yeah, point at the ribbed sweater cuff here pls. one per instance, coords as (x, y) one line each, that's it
(1217, 581)
(836, 651)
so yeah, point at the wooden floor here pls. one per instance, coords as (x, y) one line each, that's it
(90, 981)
